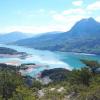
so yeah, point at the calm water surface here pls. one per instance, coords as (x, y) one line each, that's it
(47, 59)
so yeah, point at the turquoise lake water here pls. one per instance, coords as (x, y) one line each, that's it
(47, 59)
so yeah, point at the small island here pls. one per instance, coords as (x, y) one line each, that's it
(8, 52)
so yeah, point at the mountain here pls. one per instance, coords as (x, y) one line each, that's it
(8, 52)
(84, 36)
(4, 50)
(12, 36)
(38, 39)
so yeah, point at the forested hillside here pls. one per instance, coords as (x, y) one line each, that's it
(80, 84)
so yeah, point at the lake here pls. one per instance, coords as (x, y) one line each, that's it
(47, 59)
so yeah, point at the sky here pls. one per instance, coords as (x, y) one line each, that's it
(39, 16)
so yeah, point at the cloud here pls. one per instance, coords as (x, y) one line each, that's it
(77, 3)
(59, 21)
(30, 13)
(58, 17)
(52, 12)
(70, 16)
(41, 10)
(67, 21)
(74, 11)
(72, 19)
(34, 29)
(98, 18)
(94, 6)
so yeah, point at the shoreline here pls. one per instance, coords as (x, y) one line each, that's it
(4, 45)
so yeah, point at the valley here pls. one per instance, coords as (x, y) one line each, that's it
(52, 66)
(45, 59)
(83, 37)
(49, 49)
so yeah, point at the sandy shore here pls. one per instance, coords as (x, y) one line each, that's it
(10, 56)
(14, 63)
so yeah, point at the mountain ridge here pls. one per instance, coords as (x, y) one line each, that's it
(12, 36)
(84, 36)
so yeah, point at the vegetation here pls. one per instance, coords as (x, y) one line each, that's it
(56, 74)
(12, 85)
(78, 84)
(4, 50)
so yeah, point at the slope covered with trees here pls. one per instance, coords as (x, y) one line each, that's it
(80, 84)
(4, 50)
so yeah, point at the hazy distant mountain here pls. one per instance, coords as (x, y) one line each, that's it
(13, 36)
(83, 37)
(39, 38)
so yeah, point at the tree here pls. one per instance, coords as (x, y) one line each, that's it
(80, 76)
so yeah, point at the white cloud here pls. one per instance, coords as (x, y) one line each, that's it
(70, 16)
(94, 6)
(62, 23)
(74, 11)
(34, 29)
(77, 3)
(58, 17)
(30, 13)
(52, 12)
(98, 18)
(69, 20)
(41, 10)
(66, 15)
